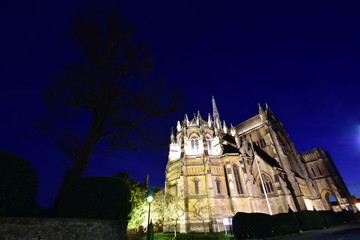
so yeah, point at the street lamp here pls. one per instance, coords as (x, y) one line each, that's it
(149, 199)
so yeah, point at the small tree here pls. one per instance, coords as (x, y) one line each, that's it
(174, 210)
(201, 211)
(158, 207)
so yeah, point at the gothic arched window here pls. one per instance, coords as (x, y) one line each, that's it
(208, 143)
(217, 181)
(267, 184)
(195, 144)
(237, 179)
(196, 185)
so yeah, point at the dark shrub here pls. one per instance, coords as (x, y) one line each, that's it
(346, 216)
(310, 220)
(241, 225)
(357, 216)
(18, 186)
(285, 223)
(97, 197)
(331, 218)
(249, 225)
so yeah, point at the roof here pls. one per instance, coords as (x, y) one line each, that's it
(249, 124)
(266, 157)
(230, 148)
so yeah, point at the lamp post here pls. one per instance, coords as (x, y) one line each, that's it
(149, 199)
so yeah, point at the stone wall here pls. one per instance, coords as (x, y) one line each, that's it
(12, 228)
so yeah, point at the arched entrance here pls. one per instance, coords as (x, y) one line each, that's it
(329, 198)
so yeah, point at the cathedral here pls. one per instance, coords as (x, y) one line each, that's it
(214, 171)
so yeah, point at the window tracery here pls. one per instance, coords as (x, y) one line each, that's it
(267, 184)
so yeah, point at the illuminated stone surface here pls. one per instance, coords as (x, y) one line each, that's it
(212, 173)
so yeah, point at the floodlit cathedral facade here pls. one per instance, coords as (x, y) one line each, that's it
(214, 171)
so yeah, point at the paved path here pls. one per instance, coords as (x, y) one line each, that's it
(344, 232)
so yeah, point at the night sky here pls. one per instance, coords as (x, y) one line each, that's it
(302, 58)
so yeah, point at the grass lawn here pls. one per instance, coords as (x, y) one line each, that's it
(190, 236)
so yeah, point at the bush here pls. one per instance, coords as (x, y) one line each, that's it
(96, 197)
(249, 225)
(18, 186)
(357, 216)
(285, 223)
(330, 218)
(310, 220)
(347, 216)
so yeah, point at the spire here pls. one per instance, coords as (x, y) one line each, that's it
(216, 114)
(178, 126)
(198, 118)
(260, 108)
(225, 127)
(268, 110)
(261, 112)
(186, 119)
(209, 120)
(232, 130)
(172, 138)
(266, 105)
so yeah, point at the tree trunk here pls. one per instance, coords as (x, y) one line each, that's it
(175, 228)
(79, 167)
(204, 226)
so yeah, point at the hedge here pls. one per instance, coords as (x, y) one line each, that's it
(285, 223)
(18, 186)
(98, 198)
(258, 225)
(310, 220)
(249, 225)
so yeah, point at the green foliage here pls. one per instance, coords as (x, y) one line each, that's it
(18, 186)
(310, 220)
(249, 225)
(139, 205)
(96, 197)
(285, 223)
(158, 207)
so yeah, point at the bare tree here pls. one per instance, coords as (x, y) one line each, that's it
(158, 206)
(174, 210)
(104, 100)
(200, 210)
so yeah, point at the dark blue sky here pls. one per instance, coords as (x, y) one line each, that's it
(301, 58)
